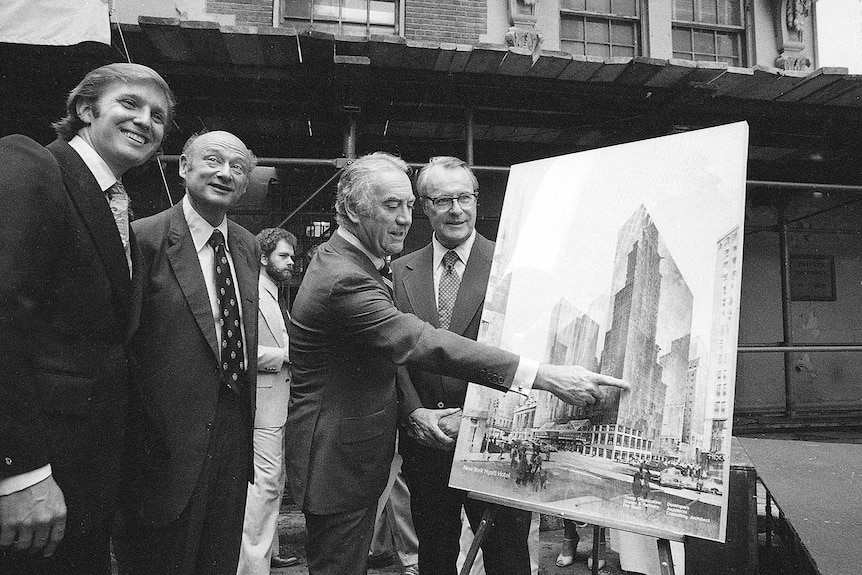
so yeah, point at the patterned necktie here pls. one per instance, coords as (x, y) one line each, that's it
(232, 367)
(386, 274)
(118, 200)
(448, 289)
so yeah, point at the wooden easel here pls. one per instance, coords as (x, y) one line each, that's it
(664, 553)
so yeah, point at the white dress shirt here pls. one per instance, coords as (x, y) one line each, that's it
(201, 231)
(105, 178)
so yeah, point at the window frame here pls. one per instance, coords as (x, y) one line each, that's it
(742, 33)
(584, 16)
(295, 12)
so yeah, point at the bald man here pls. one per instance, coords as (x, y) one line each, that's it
(194, 362)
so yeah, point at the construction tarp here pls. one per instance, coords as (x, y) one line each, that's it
(54, 22)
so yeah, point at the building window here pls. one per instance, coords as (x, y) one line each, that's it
(351, 17)
(709, 30)
(604, 28)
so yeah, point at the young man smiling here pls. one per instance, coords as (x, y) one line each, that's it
(69, 268)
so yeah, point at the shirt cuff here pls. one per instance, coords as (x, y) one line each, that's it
(9, 485)
(525, 376)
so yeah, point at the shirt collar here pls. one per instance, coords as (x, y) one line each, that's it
(463, 249)
(201, 229)
(99, 168)
(357, 243)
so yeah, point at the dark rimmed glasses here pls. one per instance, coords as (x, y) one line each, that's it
(442, 204)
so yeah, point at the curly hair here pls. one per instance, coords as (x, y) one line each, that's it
(268, 238)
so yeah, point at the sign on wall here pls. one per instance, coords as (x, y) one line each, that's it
(626, 260)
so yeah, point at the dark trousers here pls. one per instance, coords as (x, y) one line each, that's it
(78, 554)
(436, 511)
(338, 543)
(205, 538)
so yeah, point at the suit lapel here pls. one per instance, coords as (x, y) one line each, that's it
(268, 306)
(354, 254)
(90, 202)
(419, 285)
(471, 294)
(187, 269)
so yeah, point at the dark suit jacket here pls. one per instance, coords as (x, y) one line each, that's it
(346, 341)
(175, 366)
(66, 313)
(414, 293)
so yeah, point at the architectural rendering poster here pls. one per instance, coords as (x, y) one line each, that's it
(626, 260)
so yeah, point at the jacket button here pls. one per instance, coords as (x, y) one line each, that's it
(8, 461)
(209, 425)
(440, 404)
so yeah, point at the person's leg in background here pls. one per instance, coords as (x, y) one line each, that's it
(394, 529)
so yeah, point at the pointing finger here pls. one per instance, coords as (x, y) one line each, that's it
(609, 381)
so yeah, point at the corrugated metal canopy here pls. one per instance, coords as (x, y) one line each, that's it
(291, 93)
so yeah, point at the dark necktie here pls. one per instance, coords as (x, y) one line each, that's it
(282, 305)
(232, 367)
(386, 274)
(448, 289)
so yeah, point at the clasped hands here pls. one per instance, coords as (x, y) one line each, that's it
(436, 428)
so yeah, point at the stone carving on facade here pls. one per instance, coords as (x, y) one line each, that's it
(792, 17)
(523, 32)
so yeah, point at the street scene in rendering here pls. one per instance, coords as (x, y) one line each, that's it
(628, 278)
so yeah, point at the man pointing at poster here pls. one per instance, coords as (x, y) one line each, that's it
(347, 339)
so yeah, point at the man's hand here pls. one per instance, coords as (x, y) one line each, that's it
(574, 384)
(451, 424)
(425, 427)
(33, 519)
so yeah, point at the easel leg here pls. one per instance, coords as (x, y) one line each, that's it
(597, 558)
(484, 525)
(665, 558)
(768, 520)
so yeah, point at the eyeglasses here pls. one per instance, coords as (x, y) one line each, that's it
(466, 201)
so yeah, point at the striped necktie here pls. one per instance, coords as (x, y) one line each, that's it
(386, 274)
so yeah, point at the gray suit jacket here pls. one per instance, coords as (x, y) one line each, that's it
(346, 340)
(414, 293)
(273, 373)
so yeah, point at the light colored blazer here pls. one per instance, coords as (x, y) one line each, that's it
(273, 373)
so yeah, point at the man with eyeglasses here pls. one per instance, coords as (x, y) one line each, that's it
(347, 340)
(448, 192)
